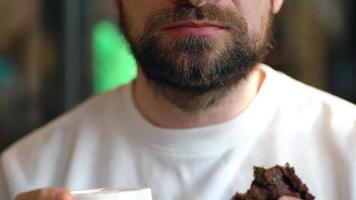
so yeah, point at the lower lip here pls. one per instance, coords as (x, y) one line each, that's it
(204, 31)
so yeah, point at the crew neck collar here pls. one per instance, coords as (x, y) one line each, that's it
(239, 132)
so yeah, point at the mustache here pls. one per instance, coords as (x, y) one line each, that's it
(227, 18)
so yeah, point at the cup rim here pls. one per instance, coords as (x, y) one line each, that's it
(103, 191)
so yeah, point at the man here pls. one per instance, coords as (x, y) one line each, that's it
(201, 113)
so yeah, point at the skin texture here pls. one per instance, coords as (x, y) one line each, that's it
(153, 105)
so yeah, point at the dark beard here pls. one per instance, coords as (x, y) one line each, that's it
(194, 73)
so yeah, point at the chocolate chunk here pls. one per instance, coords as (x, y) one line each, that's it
(273, 183)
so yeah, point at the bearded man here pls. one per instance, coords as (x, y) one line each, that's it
(202, 112)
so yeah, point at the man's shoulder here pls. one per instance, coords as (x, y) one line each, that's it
(90, 114)
(298, 92)
(39, 157)
(310, 103)
(95, 108)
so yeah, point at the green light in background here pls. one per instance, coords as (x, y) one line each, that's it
(114, 64)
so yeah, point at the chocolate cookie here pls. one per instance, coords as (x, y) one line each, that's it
(273, 183)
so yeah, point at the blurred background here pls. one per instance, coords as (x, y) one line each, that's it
(55, 54)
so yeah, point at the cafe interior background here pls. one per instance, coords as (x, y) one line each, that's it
(55, 54)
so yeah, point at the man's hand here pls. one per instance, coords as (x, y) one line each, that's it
(46, 194)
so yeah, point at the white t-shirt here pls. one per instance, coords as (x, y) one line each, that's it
(106, 142)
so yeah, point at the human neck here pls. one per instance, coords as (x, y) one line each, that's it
(158, 110)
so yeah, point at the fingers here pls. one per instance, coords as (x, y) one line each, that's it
(46, 194)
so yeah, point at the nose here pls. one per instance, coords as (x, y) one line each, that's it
(196, 3)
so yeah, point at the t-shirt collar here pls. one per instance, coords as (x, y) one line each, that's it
(239, 132)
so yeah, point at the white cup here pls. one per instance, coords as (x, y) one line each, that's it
(113, 194)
